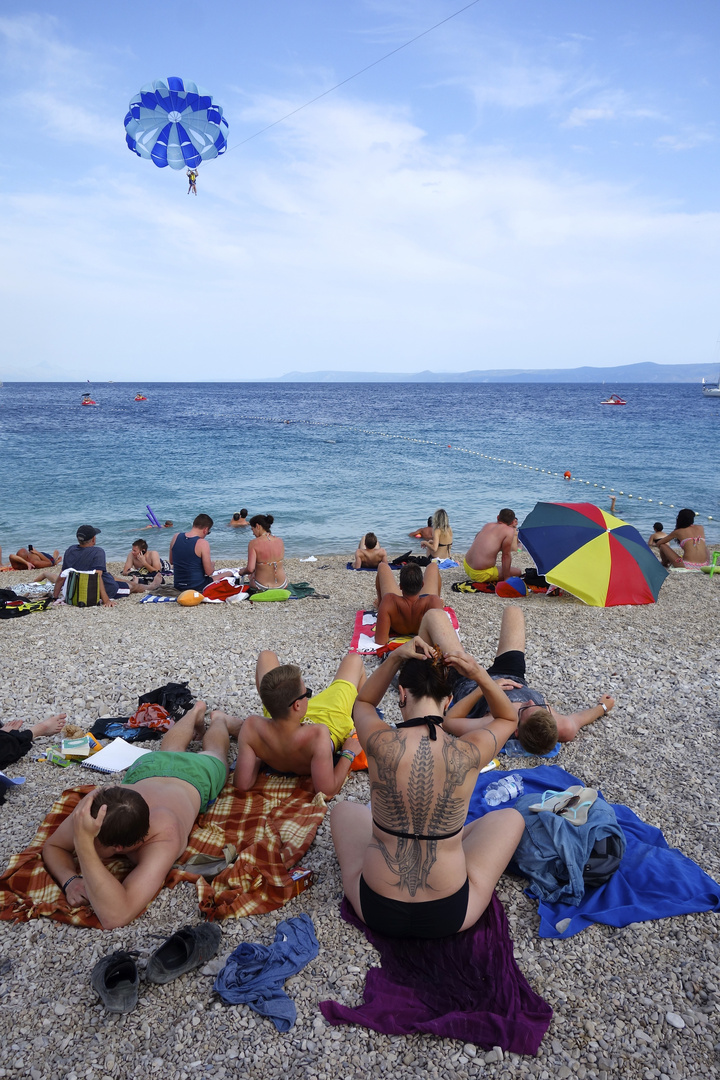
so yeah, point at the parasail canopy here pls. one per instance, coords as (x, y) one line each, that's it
(176, 123)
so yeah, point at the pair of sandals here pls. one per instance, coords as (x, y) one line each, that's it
(573, 804)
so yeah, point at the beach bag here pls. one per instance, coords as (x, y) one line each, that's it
(82, 588)
(13, 606)
(224, 589)
(173, 696)
(603, 861)
(151, 716)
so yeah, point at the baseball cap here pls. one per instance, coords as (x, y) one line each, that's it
(85, 533)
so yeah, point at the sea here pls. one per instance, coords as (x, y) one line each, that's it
(331, 461)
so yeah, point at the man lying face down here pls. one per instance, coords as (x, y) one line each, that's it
(148, 818)
(303, 733)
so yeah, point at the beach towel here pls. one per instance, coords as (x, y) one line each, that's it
(363, 636)
(465, 987)
(272, 826)
(653, 880)
(153, 598)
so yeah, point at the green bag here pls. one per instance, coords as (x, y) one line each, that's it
(83, 589)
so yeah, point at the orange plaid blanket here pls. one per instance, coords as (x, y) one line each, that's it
(272, 826)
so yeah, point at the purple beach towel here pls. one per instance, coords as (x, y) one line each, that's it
(465, 987)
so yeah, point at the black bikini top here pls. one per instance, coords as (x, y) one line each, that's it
(432, 722)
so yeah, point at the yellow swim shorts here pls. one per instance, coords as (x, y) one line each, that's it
(490, 574)
(332, 707)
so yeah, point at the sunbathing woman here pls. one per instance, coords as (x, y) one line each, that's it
(442, 537)
(30, 559)
(691, 539)
(265, 556)
(410, 867)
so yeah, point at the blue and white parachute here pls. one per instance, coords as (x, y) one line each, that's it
(175, 123)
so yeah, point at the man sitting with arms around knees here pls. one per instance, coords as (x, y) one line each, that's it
(495, 538)
(540, 726)
(148, 818)
(369, 553)
(305, 734)
(400, 610)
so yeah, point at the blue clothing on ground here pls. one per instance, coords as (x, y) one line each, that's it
(254, 974)
(90, 558)
(653, 881)
(187, 566)
(553, 852)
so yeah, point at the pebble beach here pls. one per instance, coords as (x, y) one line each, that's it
(638, 1002)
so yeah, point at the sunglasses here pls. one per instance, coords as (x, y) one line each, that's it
(308, 694)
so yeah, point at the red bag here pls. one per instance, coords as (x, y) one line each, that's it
(224, 589)
(152, 716)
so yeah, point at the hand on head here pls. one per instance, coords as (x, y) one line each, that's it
(416, 649)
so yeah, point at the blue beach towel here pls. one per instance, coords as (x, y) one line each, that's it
(514, 749)
(653, 880)
(149, 598)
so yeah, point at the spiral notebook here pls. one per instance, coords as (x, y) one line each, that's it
(115, 757)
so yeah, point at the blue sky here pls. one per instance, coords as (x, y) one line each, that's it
(534, 184)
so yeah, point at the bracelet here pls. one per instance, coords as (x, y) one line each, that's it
(603, 706)
(492, 736)
(73, 878)
(347, 754)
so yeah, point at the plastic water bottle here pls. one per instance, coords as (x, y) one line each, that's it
(502, 791)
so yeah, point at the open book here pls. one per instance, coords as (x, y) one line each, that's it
(115, 757)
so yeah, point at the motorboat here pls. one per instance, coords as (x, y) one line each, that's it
(140, 397)
(614, 399)
(711, 389)
(87, 400)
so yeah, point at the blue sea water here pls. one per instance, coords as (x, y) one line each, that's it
(333, 460)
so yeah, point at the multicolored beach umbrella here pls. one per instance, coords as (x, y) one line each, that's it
(176, 123)
(592, 554)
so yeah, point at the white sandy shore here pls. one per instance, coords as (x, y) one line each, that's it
(610, 989)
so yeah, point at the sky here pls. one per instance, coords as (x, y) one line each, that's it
(533, 184)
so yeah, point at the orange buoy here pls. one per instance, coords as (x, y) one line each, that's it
(567, 474)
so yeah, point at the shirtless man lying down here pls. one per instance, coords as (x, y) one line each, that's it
(400, 610)
(148, 818)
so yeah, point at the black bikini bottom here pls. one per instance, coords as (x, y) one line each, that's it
(426, 919)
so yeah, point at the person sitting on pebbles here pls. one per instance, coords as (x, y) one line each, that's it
(148, 818)
(144, 562)
(16, 739)
(369, 554)
(301, 733)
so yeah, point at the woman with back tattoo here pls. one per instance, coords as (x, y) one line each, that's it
(410, 867)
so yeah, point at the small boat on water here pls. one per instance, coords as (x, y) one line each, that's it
(614, 399)
(711, 389)
(140, 397)
(87, 400)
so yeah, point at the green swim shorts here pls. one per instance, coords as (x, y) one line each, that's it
(206, 773)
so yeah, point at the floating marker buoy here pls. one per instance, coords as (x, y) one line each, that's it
(567, 475)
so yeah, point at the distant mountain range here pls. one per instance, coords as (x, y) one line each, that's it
(626, 373)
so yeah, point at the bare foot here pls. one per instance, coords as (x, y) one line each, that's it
(12, 725)
(232, 723)
(200, 708)
(51, 726)
(56, 555)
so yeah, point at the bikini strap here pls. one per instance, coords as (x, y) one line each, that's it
(432, 722)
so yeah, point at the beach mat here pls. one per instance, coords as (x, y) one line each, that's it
(465, 987)
(272, 826)
(363, 635)
(653, 881)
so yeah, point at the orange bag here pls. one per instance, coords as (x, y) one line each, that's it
(152, 716)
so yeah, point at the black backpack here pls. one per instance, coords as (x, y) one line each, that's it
(603, 861)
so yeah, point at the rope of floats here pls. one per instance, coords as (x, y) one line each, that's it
(566, 474)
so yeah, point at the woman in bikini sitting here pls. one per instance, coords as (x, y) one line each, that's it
(410, 867)
(265, 556)
(691, 539)
(442, 537)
